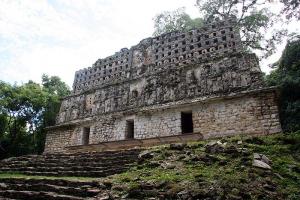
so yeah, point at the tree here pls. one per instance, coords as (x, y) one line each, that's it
(55, 86)
(255, 21)
(287, 76)
(25, 111)
(20, 107)
(291, 9)
(177, 20)
(55, 89)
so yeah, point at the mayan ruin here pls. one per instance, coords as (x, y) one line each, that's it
(200, 82)
(149, 100)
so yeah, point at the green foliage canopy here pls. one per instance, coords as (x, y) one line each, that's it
(55, 89)
(255, 21)
(24, 113)
(291, 9)
(177, 20)
(287, 77)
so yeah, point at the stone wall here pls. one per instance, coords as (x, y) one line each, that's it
(248, 113)
(175, 66)
(251, 114)
(57, 139)
(159, 123)
(160, 53)
(147, 87)
(237, 72)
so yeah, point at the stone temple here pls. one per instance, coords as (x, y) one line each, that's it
(200, 82)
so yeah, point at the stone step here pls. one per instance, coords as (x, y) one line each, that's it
(57, 160)
(58, 182)
(79, 173)
(85, 164)
(33, 195)
(101, 173)
(99, 155)
(70, 164)
(77, 160)
(86, 160)
(73, 191)
(21, 188)
(77, 155)
(64, 168)
(92, 154)
(73, 168)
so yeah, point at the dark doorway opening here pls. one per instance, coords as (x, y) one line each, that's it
(187, 122)
(86, 135)
(129, 129)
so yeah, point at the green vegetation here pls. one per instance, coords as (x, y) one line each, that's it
(287, 77)
(177, 20)
(291, 9)
(196, 171)
(25, 111)
(253, 20)
(227, 174)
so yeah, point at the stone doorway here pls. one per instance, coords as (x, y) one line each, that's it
(86, 135)
(129, 134)
(187, 122)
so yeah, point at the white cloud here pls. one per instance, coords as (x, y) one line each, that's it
(58, 37)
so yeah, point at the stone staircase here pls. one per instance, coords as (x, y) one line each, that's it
(49, 189)
(94, 164)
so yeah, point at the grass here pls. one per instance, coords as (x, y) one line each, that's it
(228, 172)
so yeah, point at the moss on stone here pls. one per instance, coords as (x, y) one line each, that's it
(226, 175)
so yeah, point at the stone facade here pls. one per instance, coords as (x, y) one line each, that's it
(200, 81)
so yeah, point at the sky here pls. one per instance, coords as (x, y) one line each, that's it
(59, 37)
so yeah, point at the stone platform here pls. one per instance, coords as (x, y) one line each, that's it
(134, 143)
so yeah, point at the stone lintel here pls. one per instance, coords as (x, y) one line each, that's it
(68, 125)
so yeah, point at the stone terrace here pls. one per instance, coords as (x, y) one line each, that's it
(47, 166)
(93, 164)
